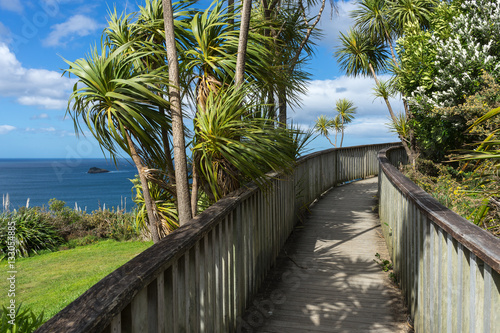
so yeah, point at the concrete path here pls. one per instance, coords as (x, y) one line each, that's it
(326, 279)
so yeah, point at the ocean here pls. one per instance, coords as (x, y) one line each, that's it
(67, 179)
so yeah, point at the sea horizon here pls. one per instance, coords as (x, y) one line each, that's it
(41, 179)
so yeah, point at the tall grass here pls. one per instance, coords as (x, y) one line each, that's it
(40, 229)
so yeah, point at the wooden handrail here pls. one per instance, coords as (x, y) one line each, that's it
(448, 268)
(202, 276)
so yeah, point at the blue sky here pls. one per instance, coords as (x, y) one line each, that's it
(35, 36)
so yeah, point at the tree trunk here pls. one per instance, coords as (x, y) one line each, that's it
(194, 190)
(168, 151)
(410, 150)
(282, 106)
(389, 42)
(393, 117)
(334, 144)
(181, 173)
(150, 206)
(242, 42)
(342, 137)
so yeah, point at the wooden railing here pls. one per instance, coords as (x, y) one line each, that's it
(201, 277)
(448, 268)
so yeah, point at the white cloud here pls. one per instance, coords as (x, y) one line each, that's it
(331, 25)
(40, 116)
(40, 130)
(77, 25)
(321, 96)
(37, 87)
(47, 102)
(371, 116)
(4, 129)
(12, 5)
(52, 130)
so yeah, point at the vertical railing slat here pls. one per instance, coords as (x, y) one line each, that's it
(139, 308)
(448, 285)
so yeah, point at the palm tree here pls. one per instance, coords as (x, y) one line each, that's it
(118, 102)
(134, 70)
(181, 172)
(361, 54)
(324, 124)
(147, 31)
(372, 18)
(346, 111)
(385, 20)
(233, 144)
(405, 12)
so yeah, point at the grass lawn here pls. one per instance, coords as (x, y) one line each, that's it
(50, 281)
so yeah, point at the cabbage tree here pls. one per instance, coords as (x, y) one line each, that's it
(118, 102)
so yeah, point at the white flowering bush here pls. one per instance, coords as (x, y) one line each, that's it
(472, 47)
(442, 66)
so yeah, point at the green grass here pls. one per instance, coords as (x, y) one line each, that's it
(50, 281)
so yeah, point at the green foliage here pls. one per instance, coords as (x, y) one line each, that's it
(477, 106)
(38, 230)
(465, 189)
(164, 207)
(346, 110)
(72, 224)
(110, 97)
(234, 145)
(442, 73)
(371, 16)
(345, 115)
(445, 130)
(56, 205)
(25, 320)
(455, 56)
(360, 54)
(438, 136)
(403, 13)
(400, 126)
(33, 233)
(386, 266)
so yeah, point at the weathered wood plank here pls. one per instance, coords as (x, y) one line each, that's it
(325, 282)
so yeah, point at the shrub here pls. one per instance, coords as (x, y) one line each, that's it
(113, 224)
(32, 232)
(25, 320)
(38, 229)
(100, 224)
(463, 190)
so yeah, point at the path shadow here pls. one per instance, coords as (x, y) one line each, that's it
(325, 278)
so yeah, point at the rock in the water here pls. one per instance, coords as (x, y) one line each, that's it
(97, 170)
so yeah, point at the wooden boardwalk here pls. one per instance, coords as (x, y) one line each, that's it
(326, 279)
